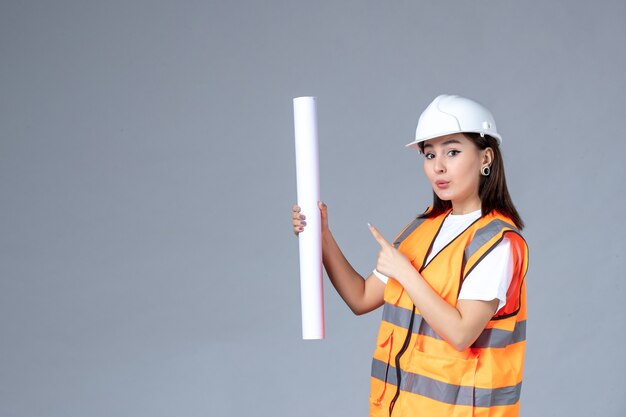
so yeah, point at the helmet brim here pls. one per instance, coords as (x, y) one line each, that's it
(415, 143)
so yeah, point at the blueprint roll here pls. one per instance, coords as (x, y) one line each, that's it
(310, 240)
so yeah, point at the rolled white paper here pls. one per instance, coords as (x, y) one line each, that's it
(310, 240)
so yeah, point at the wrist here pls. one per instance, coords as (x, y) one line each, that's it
(407, 275)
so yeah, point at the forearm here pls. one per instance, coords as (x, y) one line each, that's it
(441, 316)
(457, 328)
(349, 284)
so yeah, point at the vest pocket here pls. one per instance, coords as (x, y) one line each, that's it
(380, 368)
(445, 379)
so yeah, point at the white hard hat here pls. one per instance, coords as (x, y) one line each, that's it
(454, 114)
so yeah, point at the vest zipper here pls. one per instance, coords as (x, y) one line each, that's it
(407, 339)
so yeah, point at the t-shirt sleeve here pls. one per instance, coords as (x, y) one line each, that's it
(491, 277)
(383, 278)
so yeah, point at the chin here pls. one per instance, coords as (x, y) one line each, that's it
(443, 195)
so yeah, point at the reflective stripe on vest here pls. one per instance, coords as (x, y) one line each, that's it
(490, 337)
(484, 234)
(407, 231)
(448, 393)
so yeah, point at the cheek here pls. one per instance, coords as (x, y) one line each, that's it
(427, 169)
(470, 168)
(471, 177)
(466, 176)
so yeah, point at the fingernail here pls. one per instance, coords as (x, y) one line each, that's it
(303, 223)
(302, 216)
(369, 225)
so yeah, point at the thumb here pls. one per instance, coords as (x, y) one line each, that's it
(323, 212)
(379, 238)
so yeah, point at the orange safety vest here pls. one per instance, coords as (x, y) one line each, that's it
(416, 372)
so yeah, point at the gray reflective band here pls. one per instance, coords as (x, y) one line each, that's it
(498, 338)
(401, 317)
(397, 315)
(437, 390)
(485, 397)
(447, 393)
(379, 369)
(484, 235)
(489, 338)
(409, 229)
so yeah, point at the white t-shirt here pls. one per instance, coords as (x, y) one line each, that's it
(491, 277)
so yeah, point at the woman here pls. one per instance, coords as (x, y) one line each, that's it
(454, 277)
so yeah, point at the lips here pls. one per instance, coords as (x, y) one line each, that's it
(442, 184)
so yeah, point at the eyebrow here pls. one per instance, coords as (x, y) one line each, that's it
(448, 142)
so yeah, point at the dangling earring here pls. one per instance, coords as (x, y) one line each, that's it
(485, 171)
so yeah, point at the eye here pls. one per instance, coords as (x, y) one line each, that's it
(453, 152)
(429, 155)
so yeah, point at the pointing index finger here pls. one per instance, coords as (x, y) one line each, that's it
(379, 238)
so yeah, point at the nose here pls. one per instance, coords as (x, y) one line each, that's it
(439, 166)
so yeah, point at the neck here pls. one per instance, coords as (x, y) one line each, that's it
(464, 207)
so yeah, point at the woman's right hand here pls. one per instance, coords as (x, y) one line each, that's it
(299, 219)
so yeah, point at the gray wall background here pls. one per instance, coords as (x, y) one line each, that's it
(147, 267)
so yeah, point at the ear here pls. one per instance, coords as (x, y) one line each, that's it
(487, 156)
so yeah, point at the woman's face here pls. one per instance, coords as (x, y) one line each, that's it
(452, 164)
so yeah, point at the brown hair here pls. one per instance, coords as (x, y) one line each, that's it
(492, 190)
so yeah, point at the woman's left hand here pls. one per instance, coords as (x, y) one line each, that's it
(390, 261)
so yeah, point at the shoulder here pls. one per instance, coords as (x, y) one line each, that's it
(493, 227)
(493, 232)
